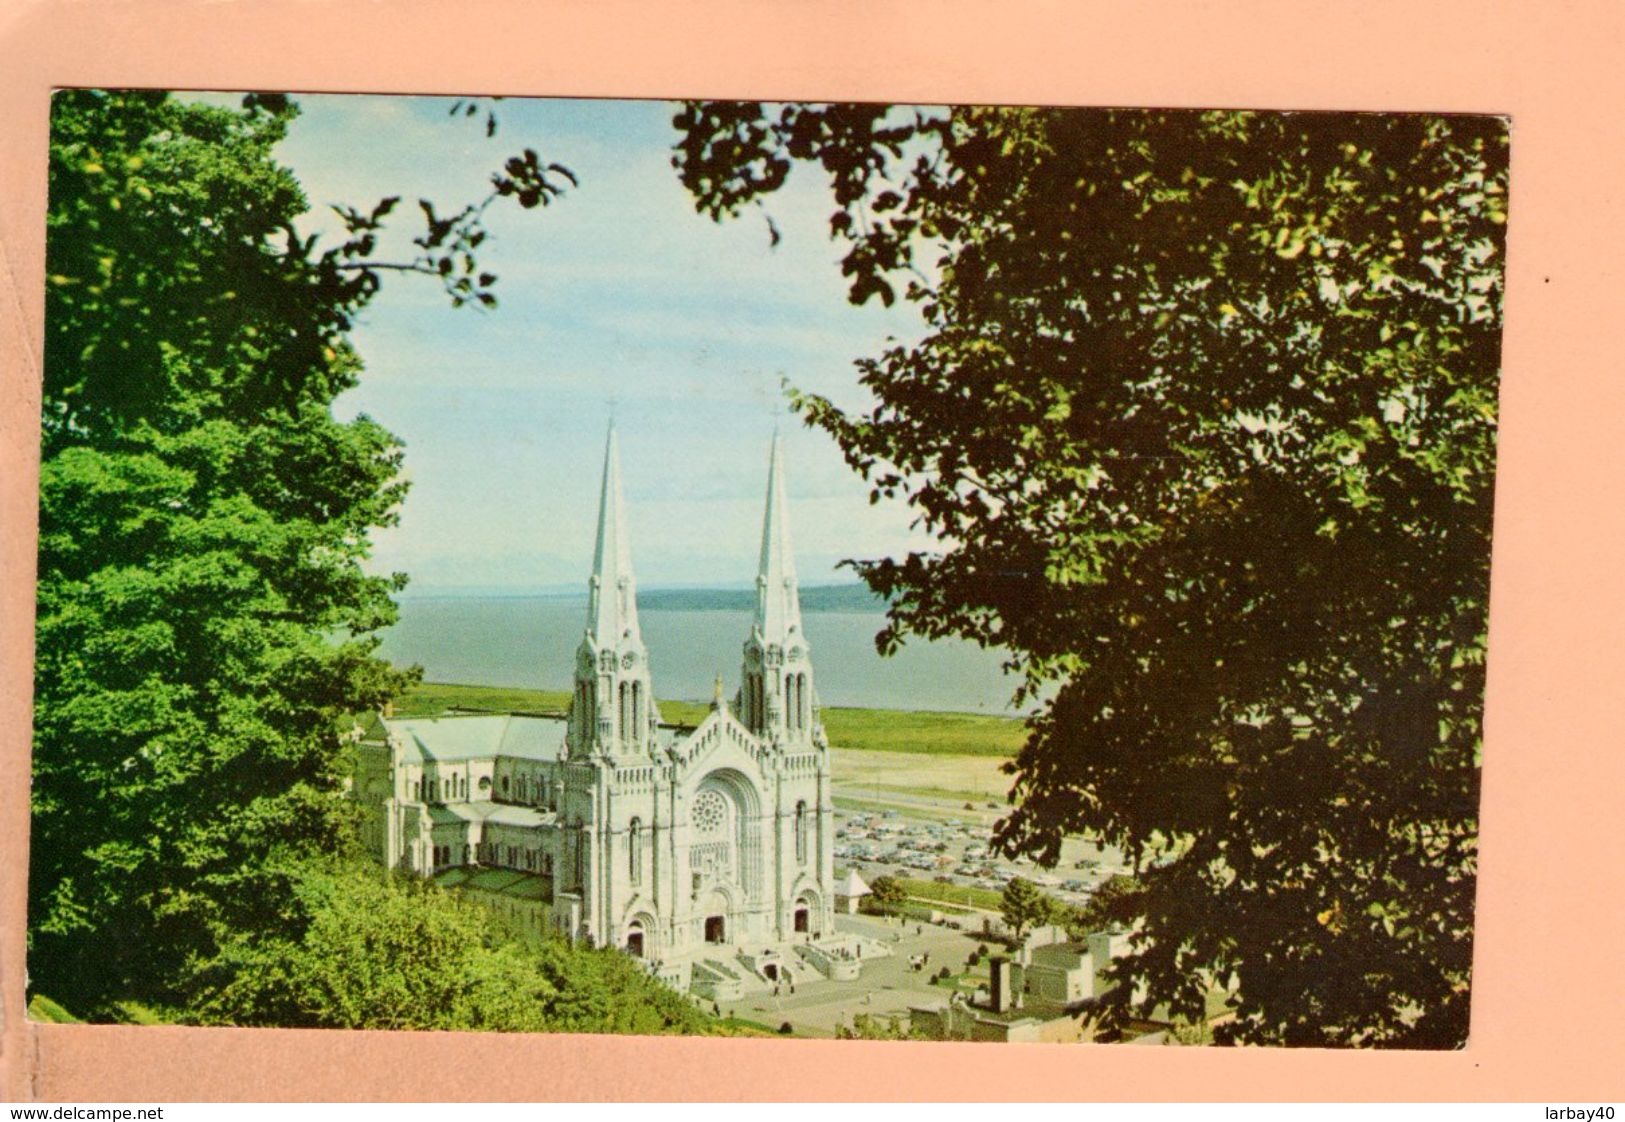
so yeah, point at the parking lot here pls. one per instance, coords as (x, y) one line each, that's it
(956, 851)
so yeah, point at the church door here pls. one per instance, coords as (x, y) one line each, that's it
(801, 919)
(634, 944)
(716, 929)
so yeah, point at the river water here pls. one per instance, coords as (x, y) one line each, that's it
(531, 641)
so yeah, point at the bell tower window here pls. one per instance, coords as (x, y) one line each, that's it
(634, 842)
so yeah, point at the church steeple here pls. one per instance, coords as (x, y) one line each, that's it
(613, 709)
(778, 603)
(777, 700)
(612, 605)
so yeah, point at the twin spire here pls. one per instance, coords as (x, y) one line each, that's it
(612, 602)
(778, 604)
(614, 705)
(776, 694)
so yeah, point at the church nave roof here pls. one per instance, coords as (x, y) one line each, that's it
(454, 739)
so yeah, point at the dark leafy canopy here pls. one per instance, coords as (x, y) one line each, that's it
(203, 618)
(1024, 906)
(888, 896)
(1204, 416)
(1115, 904)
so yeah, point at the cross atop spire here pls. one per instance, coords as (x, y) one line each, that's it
(612, 604)
(778, 604)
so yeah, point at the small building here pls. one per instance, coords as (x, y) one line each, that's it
(1049, 992)
(1061, 972)
(849, 891)
(957, 1019)
(1044, 935)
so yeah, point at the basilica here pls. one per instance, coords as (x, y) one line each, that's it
(704, 849)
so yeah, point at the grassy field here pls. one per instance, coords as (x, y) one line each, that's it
(863, 730)
(969, 895)
(430, 698)
(931, 733)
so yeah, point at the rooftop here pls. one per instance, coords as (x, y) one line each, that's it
(852, 885)
(505, 814)
(450, 739)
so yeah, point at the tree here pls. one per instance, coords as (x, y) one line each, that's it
(394, 952)
(870, 1026)
(203, 617)
(1203, 416)
(887, 896)
(1114, 904)
(1024, 905)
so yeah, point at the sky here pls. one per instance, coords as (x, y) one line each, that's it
(617, 299)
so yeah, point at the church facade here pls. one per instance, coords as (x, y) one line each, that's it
(610, 824)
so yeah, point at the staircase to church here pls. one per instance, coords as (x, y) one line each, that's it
(775, 967)
(718, 981)
(831, 962)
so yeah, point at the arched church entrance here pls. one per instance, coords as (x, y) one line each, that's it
(725, 852)
(634, 939)
(804, 914)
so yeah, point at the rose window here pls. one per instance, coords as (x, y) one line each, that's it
(710, 813)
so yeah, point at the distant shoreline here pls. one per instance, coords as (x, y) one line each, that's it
(814, 598)
(927, 732)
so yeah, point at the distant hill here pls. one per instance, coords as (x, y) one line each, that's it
(820, 598)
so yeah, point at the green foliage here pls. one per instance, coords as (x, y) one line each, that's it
(739, 1026)
(202, 519)
(364, 949)
(887, 896)
(873, 1026)
(43, 1009)
(1114, 904)
(203, 616)
(138, 1013)
(1206, 402)
(1023, 905)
